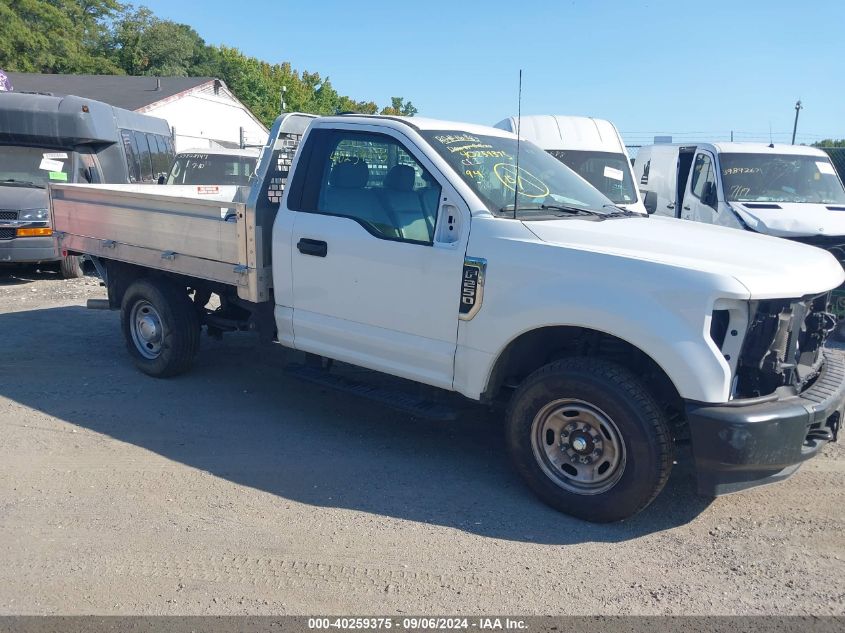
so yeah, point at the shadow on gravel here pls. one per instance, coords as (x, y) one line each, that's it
(240, 417)
(16, 274)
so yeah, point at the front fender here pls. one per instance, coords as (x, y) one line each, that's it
(662, 310)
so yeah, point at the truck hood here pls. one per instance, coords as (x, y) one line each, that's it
(792, 219)
(15, 198)
(767, 266)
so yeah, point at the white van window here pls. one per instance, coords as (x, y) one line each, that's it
(702, 172)
(199, 168)
(780, 178)
(608, 172)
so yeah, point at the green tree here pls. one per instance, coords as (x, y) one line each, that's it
(830, 143)
(144, 45)
(399, 107)
(55, 36)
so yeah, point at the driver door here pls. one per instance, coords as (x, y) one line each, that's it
(373, 283)
(701, 197)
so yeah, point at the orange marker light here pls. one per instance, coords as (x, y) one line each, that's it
(37, 232)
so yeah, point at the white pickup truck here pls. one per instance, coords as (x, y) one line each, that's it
(441, 253)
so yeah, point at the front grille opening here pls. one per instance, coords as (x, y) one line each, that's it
(6, 234)
(719, 326)
(783, 345)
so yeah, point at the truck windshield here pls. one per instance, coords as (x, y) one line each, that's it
(780, 178)
(211, 169)
(33, 166)
(488, 165)
(608, 172)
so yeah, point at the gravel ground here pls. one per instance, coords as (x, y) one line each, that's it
(239, 490)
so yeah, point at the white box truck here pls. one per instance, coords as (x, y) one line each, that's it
(789, 191)
(591, 147)
(418, 248)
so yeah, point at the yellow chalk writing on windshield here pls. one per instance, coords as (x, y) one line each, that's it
(529, 185)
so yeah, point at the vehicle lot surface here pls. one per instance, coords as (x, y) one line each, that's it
(237, 489)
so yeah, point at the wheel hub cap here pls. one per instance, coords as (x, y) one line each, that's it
(146, 329)
(578, 446)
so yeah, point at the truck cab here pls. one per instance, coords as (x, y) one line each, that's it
(591, 147)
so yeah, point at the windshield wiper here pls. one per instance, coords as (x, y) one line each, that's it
(572, 210)
(24, 183)
(621, 211)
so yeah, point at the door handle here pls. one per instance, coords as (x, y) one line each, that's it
(671, 205)
(686, 207)
(318, 248)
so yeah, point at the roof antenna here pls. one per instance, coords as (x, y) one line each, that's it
(771, 142)
(518, 130)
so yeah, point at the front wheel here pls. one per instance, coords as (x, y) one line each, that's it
(589, 439)
(161, 327)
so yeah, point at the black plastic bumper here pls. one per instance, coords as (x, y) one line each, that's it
(744, 445)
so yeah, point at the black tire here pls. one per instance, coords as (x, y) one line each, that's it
(170, 348)
(589, 391)
(70, 266)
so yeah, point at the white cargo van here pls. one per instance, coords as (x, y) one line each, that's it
(789, 191)
(590, 147)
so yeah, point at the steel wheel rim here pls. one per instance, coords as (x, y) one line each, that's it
(146, 328)
(578, 446)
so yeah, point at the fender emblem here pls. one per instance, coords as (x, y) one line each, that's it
(472, 287)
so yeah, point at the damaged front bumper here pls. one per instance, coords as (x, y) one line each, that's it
(756, 441)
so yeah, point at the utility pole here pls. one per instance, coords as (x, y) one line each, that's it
(798, 107)
(732, 136)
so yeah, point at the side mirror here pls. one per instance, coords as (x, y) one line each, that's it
(650, 202)
(708, 194)
(162, 179)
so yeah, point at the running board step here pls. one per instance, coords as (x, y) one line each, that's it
(393, 398)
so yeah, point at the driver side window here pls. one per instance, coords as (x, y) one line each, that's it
(375, 180)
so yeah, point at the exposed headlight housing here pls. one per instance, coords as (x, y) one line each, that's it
(727, 327)
(33, 215)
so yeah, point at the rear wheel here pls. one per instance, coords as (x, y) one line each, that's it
(589, 439)
(161, 327)
(71, 267)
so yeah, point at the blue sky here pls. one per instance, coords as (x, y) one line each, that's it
(693, 69)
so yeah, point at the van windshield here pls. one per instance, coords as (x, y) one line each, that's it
(33, 166)
(211, 169)
(608, 172)
(488, 165)
(780, 178)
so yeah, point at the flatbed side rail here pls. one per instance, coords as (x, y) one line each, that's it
(142, 225)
